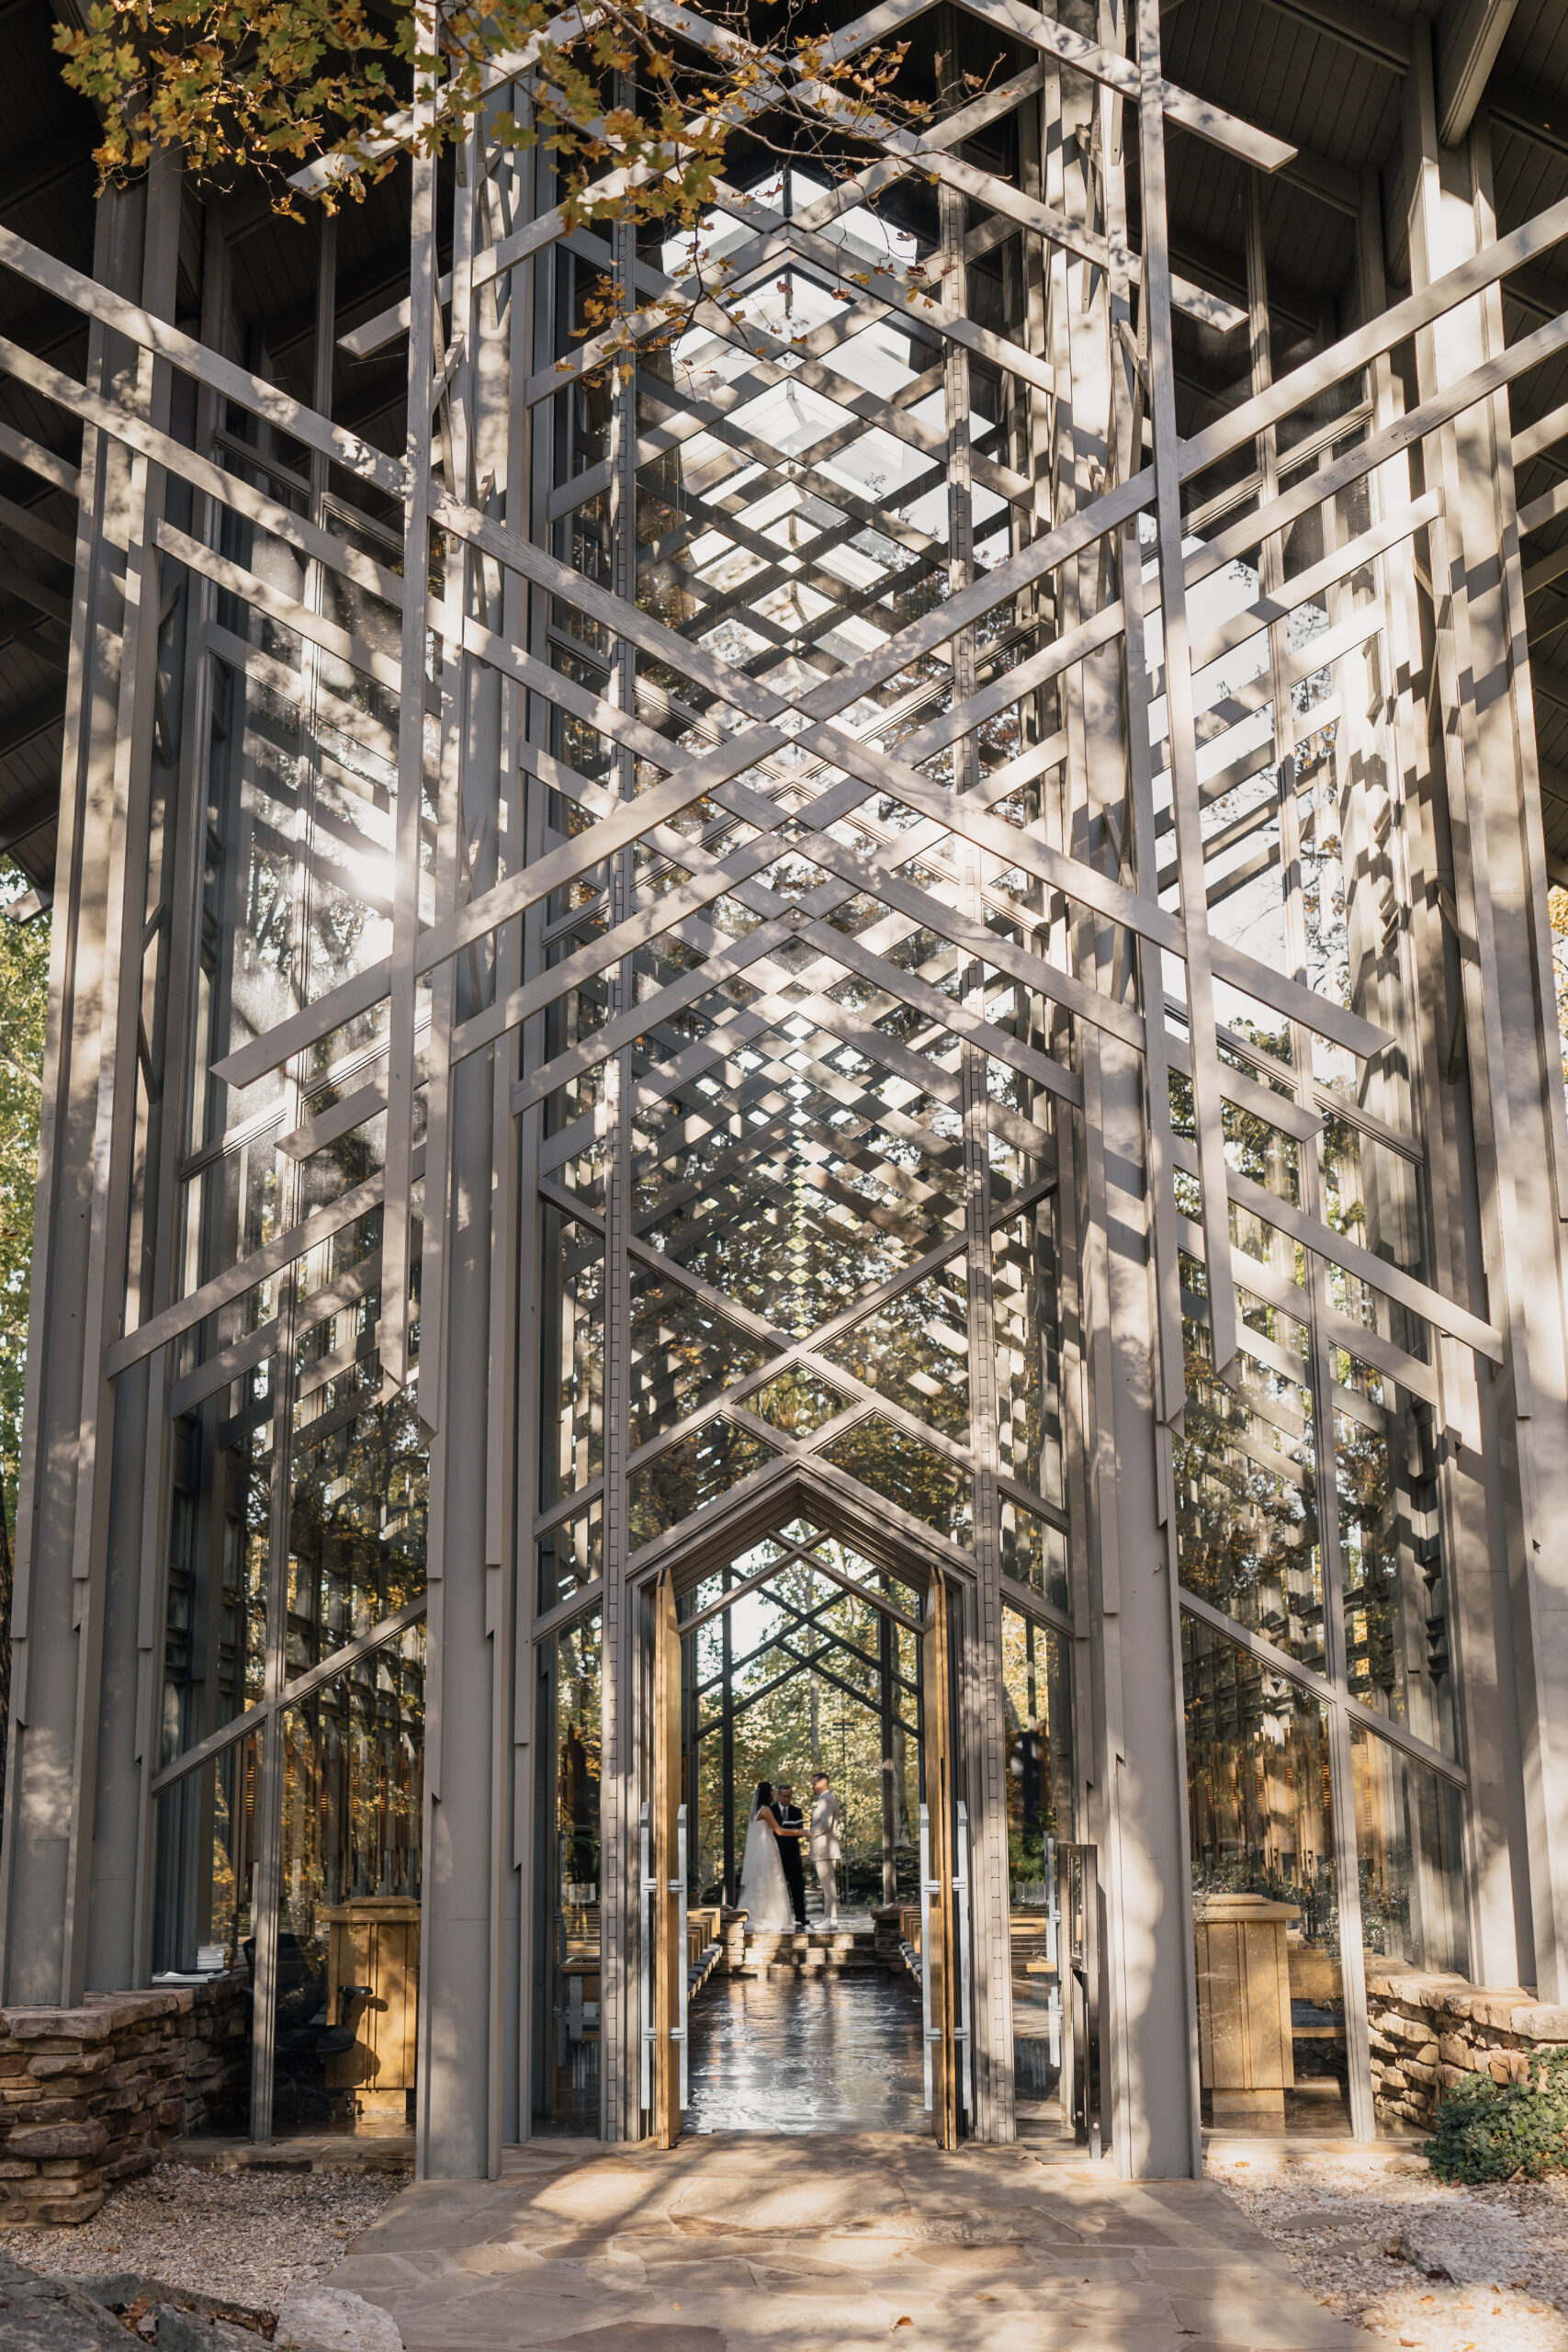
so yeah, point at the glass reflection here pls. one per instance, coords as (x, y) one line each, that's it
(1395, 1608)
(689, 1474)
(1265, 1896)
(349, 1889)
(215, 1605)
(916, 1350)
(893, 1463)
(1410, 1859)
(302, 813)
(1036, 1670)
(572, 1426)
(1029, 1416)
(357, 1527)
(566, 2021)
(205, 1831)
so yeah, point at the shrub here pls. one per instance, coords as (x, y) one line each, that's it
(1488, 2131)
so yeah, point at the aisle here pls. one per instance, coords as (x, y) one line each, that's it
(842, 2055)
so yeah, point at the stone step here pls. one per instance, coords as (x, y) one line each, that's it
(768, 1955)
(778, 1972)
(813, 1940)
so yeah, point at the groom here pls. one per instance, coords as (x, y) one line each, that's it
(825, 1845)
(789, 1817)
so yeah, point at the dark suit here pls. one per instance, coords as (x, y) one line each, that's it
(789, 1816)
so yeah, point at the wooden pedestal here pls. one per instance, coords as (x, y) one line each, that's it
(1243, 2006)
(374, 1940)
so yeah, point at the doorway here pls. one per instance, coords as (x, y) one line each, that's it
(797, 1658)
(716, 1692)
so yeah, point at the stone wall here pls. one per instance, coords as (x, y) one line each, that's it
(1428, 2032)
(89, 2095)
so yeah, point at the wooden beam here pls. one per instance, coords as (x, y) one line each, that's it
(825, 701)
(1468, 35)
(1020, 23)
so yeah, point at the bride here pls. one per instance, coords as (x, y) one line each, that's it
(763, 1892)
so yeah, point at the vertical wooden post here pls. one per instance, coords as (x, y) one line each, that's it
(940, 1959)
(670, 1957)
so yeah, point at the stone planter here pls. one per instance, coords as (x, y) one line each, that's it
(91, 2095)
(1430, 2031)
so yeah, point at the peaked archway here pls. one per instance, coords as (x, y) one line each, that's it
(912, 1670)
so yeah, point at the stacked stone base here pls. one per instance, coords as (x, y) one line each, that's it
(887, 1921)
(1430, 2031)
(91, 2095)
(732, 1936)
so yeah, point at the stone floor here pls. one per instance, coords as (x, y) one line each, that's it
(833, 2055)
(741, 2242)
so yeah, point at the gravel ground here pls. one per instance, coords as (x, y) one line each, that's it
(242, 2235)
(1335, 2219)
(1362, 2234)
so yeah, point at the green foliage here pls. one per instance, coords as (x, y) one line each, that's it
(784, 1728)
(24, 1002)
(1488, 2131)
(638, 124)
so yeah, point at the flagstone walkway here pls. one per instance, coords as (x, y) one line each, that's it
(745, 2244)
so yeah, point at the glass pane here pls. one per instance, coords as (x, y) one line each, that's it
(572, 1555)
(1036, 1671)
(349, 1887)
(1271, 1990)
(1033, 1551)
(688, 1475)
(1410, 1860)
(798, 1402)
(916, 1350)
(301, 817)
(1024, 1279)
(571, 1425)
(566, 2024)
(1245, 1482)
(357, 1527)
(892, 1463)
(683, 1354)
(218, 1545)
(1396, 1608)
(203, 1845)
(1410, 1863)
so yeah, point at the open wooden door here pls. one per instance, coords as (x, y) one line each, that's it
(941, 1957)
(667, 1893)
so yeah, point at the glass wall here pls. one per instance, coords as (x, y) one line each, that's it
(1409, 1858)
(1037, 1693)
(205, 1844)
(1272, 2030)
(349, 1883)
(566, 1882)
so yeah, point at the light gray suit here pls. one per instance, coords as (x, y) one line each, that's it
(825, 1851)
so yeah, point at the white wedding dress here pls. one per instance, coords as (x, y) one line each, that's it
(764, 1893)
